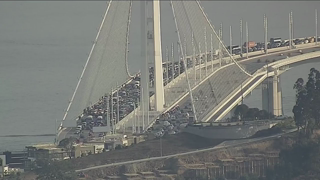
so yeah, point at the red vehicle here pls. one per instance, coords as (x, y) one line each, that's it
(250, 43)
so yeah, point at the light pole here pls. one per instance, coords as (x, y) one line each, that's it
(230, 41)
(241, 36)
(206, 50)
(292, 32)
(316, 14)
(172, 61)
(113, 124)
(290, 36)
(220, 51)
(160, 145)
(265, 34)
(194, 59)
(200, 59)
(241, 95)
(118, 105)
(247, 33)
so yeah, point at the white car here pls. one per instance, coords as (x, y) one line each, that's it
(166, 123)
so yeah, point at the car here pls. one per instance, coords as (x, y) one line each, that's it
(79, 127)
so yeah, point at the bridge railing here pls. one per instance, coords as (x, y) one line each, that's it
(296, 59)
(215, 62)
(263, 71)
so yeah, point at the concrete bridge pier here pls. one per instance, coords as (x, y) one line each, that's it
(271, 95)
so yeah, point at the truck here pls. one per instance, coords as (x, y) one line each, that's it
(251, 44)
(275, 40)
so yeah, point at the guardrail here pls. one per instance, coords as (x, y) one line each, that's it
(275, 65)
(296, 59)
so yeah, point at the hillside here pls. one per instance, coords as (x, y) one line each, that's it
(171, 144)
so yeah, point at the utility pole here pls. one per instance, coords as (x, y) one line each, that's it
(316, 38)
(265, 19)
(241, 36)
(247, 33)
(206, 51)
(230, 41)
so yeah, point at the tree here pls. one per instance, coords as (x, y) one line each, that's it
(252, 113)
(67, 144)
(241, 111)
(307, 108)
(302, 159)
(263, 114)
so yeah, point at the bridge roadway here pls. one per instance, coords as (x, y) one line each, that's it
(206, 105)
(278, 67)
(223, 145)
(176, 92)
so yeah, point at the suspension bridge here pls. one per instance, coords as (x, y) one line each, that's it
(208, 77)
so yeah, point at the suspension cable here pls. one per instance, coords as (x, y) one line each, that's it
(221, 41)
(184, 63)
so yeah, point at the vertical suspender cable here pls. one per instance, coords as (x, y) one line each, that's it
(189, 87)
(222, 43)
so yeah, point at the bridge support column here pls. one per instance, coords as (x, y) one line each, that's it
(144, 81)
(158, 73)
(272, 96)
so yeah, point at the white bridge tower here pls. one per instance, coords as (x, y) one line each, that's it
(151, 56)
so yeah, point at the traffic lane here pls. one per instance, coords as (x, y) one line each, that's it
(239, 94)
(186, 101)
(277, 55)
(253, 65)
(256, 66)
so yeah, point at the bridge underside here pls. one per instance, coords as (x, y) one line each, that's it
(271, 92)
